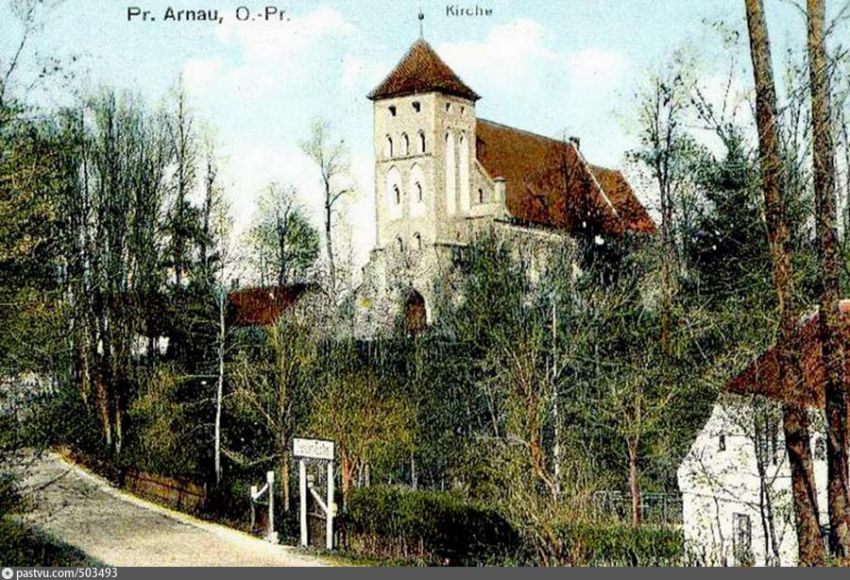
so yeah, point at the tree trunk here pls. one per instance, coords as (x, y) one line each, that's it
(329, 241)
(219, 394)
(795, 422)
(830, 315)
(634, 483)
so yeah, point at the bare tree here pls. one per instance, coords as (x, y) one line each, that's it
(795, 420)
(331, 158)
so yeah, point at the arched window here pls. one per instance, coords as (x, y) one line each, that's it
(389, 146)
(399, 244)
(463, 168)
(397, 195)
(451, 181)
(405, 143)
(417, 241)
(480, 195)
(418, 188)
(421, 142)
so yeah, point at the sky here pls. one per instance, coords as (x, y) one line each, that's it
(550, 67)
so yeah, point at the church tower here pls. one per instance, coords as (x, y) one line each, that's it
(424, 138)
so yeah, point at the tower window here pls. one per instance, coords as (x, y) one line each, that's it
(480, 195)
(399, 244)
(721, 442)
(421, 142)
(397, 195)
(389, 146)
(417, 241)
(417, 106)
(405, 142)
(392, 110)
(418, 187)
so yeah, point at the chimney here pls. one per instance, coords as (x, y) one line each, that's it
(576, 142)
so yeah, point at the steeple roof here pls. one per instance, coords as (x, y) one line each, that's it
(421, 70)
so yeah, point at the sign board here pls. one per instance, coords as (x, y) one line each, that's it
(313, 448)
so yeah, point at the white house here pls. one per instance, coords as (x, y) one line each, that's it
(735, 480)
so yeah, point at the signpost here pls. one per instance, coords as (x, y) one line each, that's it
(323, 451)
(256, 495)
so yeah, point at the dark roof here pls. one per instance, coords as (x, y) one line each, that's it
(263, 306)
(761, 377)
(535, 168)
(421, 70)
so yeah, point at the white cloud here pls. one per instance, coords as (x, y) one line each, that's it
(510, 51)
(269, 53)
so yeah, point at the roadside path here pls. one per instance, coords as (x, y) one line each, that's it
(120, 529)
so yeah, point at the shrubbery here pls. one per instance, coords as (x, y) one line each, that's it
(432, 527)
(427, 527)
(619, 545)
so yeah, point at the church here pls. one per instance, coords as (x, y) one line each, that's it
(443, 176)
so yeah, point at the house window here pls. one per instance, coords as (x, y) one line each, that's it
(421, 142)
(742, 539)
(448, 107)
(820, 448)
(418, 187)
(397, 195)
(417, 106)
(389, 146)
(392, 110)
(405, 143)
(417, 241)
(721, 442)
(399, 244)
(462, 110)
(480, 195)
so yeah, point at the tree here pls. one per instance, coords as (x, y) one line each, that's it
(795, 420)
(331, 158)
(284, 243)
(366, 419)
(830, 325)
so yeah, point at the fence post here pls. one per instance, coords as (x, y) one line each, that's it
(329, 532)
(270, 480)
(302, 488)
(253, 509)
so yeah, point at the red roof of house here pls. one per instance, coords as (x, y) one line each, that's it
(762, 376)
(421, 70)
(263, 306)
(539, 170)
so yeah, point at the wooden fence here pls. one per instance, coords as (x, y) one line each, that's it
(178, 493)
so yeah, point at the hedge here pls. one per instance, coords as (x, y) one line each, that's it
(428, 527)
(620, 545)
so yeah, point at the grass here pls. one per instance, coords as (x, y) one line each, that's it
(22, 546)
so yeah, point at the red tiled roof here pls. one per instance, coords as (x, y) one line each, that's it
(535, 169)
(421, 70)
(762, 376)
(263, 306)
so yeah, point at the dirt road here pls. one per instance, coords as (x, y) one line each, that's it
(119, 529)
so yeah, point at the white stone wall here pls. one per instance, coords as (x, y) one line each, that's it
(718, 483)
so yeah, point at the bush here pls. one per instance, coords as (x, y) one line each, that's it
(426, 526)
(618, 545)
